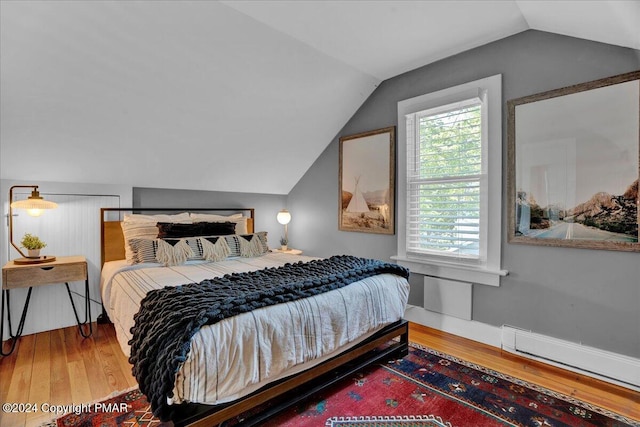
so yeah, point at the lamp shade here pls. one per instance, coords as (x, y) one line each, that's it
(283, 217)
(34, 201)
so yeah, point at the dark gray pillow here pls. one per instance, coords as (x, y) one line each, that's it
(178, 230)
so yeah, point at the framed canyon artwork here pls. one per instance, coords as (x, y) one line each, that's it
(574, 164)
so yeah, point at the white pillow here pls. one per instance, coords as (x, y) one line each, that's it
(239, 219)
(181, 217)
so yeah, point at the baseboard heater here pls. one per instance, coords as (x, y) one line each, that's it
(594, 362)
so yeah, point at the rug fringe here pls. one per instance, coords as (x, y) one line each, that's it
(388, 418)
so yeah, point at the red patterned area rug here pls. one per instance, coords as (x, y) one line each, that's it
(425, 389)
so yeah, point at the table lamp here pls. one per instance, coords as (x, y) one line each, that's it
(34, 205)
(284, 217)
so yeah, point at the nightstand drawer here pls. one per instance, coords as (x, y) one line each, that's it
(44, 274)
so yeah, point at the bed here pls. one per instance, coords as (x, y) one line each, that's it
(276, 351)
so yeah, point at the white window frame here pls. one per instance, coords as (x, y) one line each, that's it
(486, 269)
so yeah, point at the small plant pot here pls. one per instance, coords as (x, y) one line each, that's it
(283, 248)
(34, 253)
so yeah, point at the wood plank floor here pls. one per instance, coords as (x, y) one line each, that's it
(59, 367)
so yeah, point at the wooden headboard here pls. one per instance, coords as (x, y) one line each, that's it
(112, 238)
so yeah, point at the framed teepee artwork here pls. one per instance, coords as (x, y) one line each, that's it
(367, 181)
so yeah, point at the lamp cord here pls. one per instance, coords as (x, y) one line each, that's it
(90, 299)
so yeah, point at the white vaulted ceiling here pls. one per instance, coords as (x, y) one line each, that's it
(233, 95)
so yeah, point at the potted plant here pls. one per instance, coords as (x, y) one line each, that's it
(283, 243)
(32, 244)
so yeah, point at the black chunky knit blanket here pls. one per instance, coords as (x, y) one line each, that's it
(169, 317)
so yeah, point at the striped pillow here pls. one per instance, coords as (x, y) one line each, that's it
(163, 251)
(239, 244)
(143, 250)
(211, 248)
(246, 245)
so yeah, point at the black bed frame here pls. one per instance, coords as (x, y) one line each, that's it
(391, 342)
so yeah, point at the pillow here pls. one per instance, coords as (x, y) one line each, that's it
(218, 228)
(213, 248)
(143, 250)
(241, 221)
(174, 251)
(135, 226)
(165, 251)
(170, 229)
(136, 230)
(248, 245)
(251, 245)
(181, 217)
(212, 217)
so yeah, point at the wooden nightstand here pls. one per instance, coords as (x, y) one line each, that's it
(288, 251)
(62, 270)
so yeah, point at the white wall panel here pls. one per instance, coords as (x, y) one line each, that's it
(448, 297)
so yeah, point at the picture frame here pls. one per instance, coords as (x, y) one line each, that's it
(367, 182)
(574, 164)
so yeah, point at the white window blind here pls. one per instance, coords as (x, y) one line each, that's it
(445, 180)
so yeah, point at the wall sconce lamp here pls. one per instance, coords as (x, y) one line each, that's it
(284, 217)
(34, 205)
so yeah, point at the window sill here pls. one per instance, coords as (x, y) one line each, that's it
(463, 273)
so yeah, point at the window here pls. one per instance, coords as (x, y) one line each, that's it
(449, 195)
(444, 175)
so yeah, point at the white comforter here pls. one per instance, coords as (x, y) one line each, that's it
(238, 355)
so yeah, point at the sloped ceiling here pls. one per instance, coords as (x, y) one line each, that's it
(233, 95)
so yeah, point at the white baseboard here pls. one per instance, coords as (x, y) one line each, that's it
(601, 364)
(470, 329)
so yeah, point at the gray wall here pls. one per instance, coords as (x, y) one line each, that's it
(266, 205)
(586, 296)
